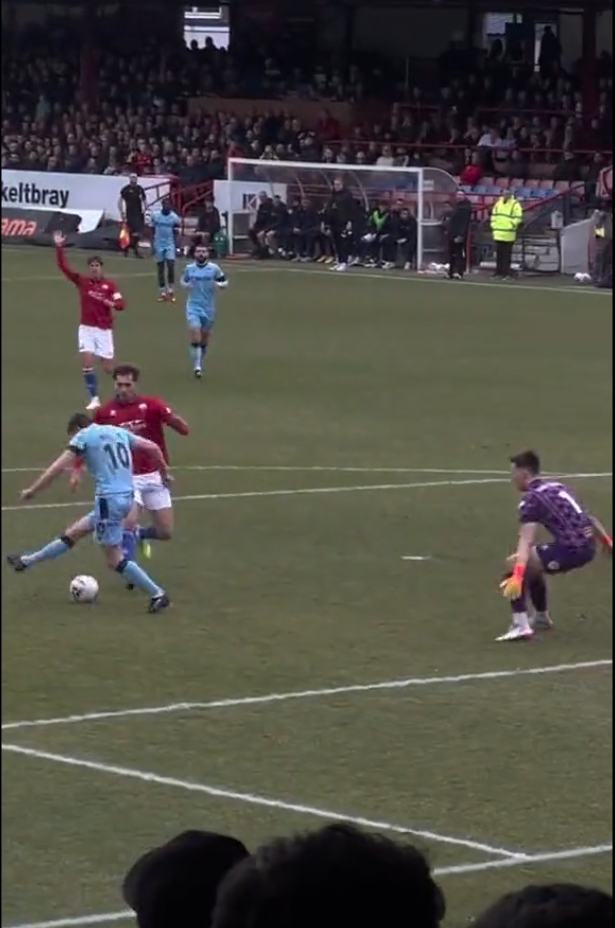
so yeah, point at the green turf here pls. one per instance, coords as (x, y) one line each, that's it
(275, 593)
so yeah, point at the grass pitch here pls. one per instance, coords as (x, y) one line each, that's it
(345, 422)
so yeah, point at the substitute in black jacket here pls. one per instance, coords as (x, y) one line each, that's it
(279, 229)
(405, 233)
(341, 215)
(208, 226)
(457, 225)
(262, 224)
(306, 230)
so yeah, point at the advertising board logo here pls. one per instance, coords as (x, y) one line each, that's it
(18, 228)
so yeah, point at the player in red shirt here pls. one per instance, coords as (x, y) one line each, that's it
(145, 416)
(99, 298)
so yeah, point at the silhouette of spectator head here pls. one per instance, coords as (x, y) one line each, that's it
(338, 877)
(559, 905)
(175, 885)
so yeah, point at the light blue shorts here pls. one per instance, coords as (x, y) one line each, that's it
(108, 516)
(197, 318)
(166, 253)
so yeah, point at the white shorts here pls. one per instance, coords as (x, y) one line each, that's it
(150, 492)
(96, 341)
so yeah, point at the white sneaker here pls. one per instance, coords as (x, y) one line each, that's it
(93, 404)
(541, 622)
(340, 267)
(517, 633)
(387, 265)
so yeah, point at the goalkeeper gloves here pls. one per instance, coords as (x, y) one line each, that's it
(512, 586)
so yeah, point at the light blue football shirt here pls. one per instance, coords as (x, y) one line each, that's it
(107, 452)
(163, 224)
(200, 279)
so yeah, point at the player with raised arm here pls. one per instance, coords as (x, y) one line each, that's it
(107, 452)
(165, 224)
(552, 505)
(201, 279)
(99, 297)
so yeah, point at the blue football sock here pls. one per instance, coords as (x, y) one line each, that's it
(55, 548)
(134, 574)
(129, 544)
(147, 533)
(91, 381)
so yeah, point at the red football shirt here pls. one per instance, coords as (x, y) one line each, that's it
(92, 292)
(145, 416)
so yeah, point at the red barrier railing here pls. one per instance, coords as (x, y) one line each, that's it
(193, 195)
(494, 111)
(409, 147)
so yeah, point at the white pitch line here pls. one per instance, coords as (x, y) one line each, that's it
(545, 857)
(246, 267)
(308, 694)
(416, 557)
(101, 919)
(302, 491)
(416, 279)
(530, 860)
(256, 800)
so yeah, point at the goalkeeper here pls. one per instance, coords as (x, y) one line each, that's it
(552, 505)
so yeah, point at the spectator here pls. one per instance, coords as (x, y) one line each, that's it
(472, 171)
(175, 885)
(567, 168)
(592, 177)
(562, 905)
(550, 51)
(338, 877)
(386, 159)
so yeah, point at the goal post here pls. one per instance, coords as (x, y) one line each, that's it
(428, 193)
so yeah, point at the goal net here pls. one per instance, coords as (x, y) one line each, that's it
(427, 192)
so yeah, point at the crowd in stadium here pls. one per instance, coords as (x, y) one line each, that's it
(337, 877)
(498, 117)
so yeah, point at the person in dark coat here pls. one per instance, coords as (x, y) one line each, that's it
(457, 225)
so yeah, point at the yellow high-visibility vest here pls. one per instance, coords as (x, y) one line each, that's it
(506, 217)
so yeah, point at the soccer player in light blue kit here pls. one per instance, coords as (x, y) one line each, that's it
(107, 452)
(165, 223)
(201, 279)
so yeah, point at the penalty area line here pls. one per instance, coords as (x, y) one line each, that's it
(312, 491)
(309, 694)
(253, 799)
